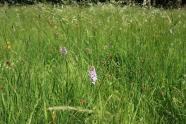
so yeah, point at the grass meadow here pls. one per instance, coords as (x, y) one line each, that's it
(139, 55)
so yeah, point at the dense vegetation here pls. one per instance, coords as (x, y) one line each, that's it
(139, 56)
(160, 3)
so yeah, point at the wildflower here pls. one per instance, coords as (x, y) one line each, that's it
(92, 74)
(63, 51)
(82, 101)
(8, 63)
(1, 87)
(8, 45)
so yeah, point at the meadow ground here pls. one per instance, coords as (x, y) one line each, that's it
(139, 56)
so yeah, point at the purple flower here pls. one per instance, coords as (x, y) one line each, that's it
(92, 74)
(63, 51)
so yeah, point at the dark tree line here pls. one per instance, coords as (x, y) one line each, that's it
(174, 3)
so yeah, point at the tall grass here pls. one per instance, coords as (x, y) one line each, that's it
(139, 55)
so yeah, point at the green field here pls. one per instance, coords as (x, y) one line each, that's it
(139, 55)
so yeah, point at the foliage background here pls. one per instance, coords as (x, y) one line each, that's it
(164, 3)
